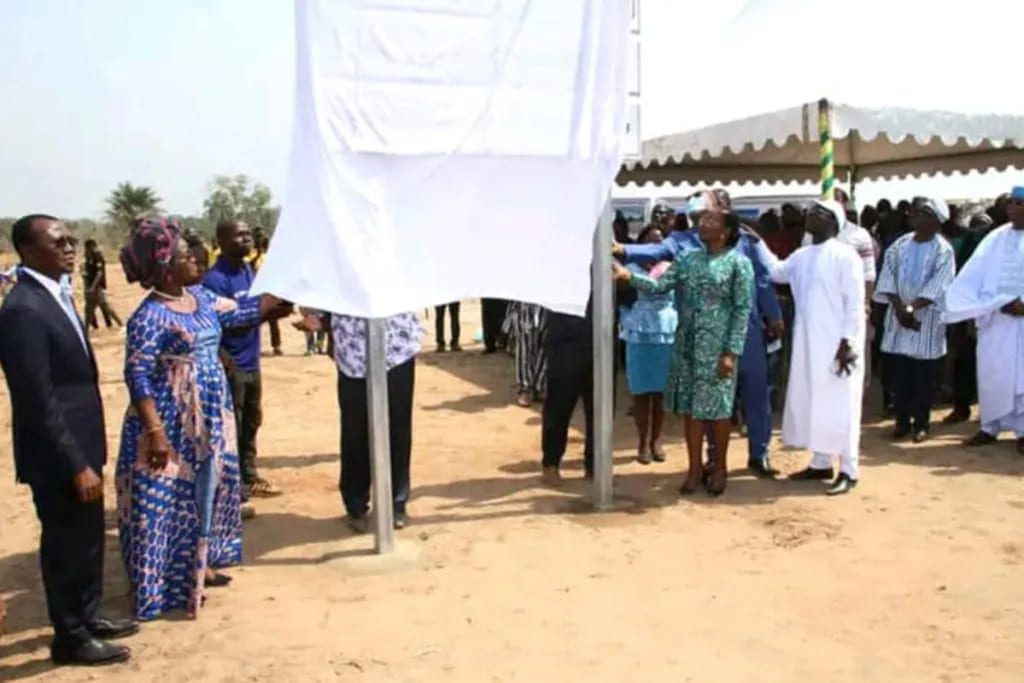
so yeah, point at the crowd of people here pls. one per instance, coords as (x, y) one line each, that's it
(914, 333)
(714, 320)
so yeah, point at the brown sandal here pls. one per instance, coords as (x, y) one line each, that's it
(261, 488)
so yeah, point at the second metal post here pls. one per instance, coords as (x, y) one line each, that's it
(380, 439)
(603, 312)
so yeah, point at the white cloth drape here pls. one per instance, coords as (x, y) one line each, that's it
(444, 149)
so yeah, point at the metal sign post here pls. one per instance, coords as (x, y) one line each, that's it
(380, 435)
(604, 358)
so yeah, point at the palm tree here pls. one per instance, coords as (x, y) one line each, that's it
(126, 202)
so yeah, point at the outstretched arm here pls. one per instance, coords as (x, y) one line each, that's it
(775, 268)
(673, 277)
(648, 254)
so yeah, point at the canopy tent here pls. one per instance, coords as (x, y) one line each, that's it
(869, 144)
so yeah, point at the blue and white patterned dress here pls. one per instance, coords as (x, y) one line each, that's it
(649, 330)
(176, 522)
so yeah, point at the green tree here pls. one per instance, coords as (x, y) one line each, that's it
(236, 197)
(200, 224)
(126, 202)
(6, 248)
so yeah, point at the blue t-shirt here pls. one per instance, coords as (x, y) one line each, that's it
(233, 283)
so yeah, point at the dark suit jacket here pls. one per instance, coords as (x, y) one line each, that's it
(55, 398)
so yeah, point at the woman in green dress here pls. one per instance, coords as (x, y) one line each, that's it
(713, 292)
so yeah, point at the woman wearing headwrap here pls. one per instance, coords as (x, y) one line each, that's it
(713, 289)
(177, 475)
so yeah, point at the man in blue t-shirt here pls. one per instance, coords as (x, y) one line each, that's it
(231, 277)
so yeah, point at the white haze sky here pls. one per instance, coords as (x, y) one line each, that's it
(168, 94)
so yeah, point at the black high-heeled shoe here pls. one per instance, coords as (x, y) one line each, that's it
(218, 580)
(705, 476)
(686, 490)
(716, 491)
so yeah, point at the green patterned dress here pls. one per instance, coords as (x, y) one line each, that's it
(713, 293)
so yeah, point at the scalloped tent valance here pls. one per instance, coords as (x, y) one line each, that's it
(782, 146)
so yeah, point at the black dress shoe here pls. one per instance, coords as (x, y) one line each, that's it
(901, 432)
(111, 629)
(982, 438)
(91, 652)
(956, 418)
(920, 436)
(812, 474)
(842, 484)
(762, 469)
(358, 525)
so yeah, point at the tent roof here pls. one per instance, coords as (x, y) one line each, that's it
(782, 146)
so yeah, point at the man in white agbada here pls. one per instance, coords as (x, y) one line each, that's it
(826, 378)
(989, 290)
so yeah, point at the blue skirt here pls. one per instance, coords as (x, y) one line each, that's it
(647, 367)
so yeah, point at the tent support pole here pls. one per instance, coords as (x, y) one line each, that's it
(852, 165)
(827, 155)
(380, 439)
(604, 358)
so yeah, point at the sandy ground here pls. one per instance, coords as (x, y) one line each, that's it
(917, 576)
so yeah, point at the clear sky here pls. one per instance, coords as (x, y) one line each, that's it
(168, 94)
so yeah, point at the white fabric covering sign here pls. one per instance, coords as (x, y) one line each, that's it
(448, 149)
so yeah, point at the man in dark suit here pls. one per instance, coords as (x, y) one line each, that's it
(570, 349)
(59, 439)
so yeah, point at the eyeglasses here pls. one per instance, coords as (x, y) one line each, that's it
(65, 241)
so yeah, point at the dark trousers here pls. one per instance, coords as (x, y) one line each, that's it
(325, 321)
(889, 374)
(275, 335)
(96, 300)
(453, 309)
(71, 559)
(247, 392)
(493, 312)
(570, 378)
(355, 438)
(965, 367)
(753, 393)
(914, 387)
